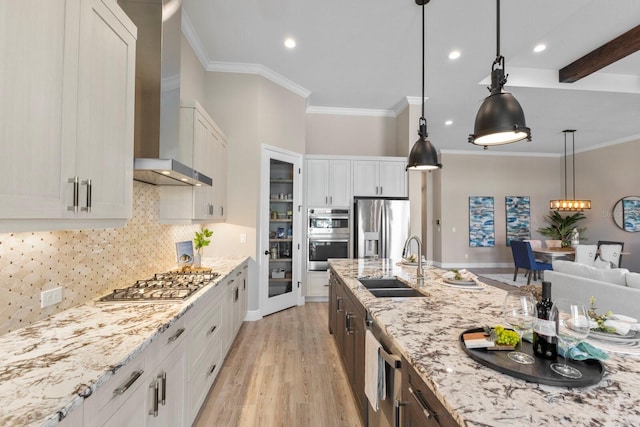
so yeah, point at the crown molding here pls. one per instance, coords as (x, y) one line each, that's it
(499, 154)
(261, 70)
(193, 39)
(338, 111)
(405, 102)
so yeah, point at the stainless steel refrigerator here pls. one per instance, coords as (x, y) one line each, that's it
(381, 226)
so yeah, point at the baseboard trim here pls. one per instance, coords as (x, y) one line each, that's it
(324, 298)
(253, 315)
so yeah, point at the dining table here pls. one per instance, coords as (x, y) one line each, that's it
(555, 253)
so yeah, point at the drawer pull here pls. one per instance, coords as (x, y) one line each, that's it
(212, 329)
(132, 379)
(213, 368)
(417, 395)
(176, 336)
(238, 273)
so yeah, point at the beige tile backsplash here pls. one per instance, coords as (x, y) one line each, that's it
(86, 263)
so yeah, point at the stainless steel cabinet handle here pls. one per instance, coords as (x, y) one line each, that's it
(212, 329)
(213, 368)
(398, 404)
(76, 193)
(347, 323)
(154, 410)
(87, 208)
(244, 284)
(236, 295)
(326, 200)
(163, 380)
(417, 395)
(331, 200)
(238, 273)
(132, 379)
(221, 210)
(176, 335)
(381, 190)
(338, 299)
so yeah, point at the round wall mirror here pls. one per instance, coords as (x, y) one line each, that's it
(626, 213)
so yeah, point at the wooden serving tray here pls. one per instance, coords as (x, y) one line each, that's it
(538, 372)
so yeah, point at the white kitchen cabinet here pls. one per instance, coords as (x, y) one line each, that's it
(203, 145)
(380, 178)
(75, 418)
(68, 109)
(317, 284)
(328, 182)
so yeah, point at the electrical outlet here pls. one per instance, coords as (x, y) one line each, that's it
(243, 237)
(51, 297)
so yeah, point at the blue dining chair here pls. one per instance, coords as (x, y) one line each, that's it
(523, 258)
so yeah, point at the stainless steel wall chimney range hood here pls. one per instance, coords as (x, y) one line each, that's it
(157, 120)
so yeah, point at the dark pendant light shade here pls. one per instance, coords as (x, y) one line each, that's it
(423, 156)
(500, 119)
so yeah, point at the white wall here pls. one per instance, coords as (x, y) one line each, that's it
(604, 176)
(192, 74)
(487, 174)
(333, 134)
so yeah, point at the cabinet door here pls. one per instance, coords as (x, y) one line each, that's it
(219, 176)
(38, 43)
(393, 179)
(170, 377)
(106, 82)
(203, 157)
(340, 183)
(317, 182)
(365, 178)
(333, 304)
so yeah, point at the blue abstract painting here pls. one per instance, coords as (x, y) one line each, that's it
(518, 215)
(631, 215)
(481, 222)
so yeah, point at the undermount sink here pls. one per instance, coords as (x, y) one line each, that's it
(389, 287)
(396, 293)
(383, 283)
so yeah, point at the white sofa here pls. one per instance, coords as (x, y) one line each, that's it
(615, 289)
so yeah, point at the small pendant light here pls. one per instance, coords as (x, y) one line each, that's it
(500, 119)
(423, 156)
(572, 204)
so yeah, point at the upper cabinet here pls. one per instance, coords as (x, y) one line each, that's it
(380, 178)
(206, 145)
(67, 104)
(328, 182)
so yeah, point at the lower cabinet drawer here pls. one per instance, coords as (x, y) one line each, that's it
(422, 408)
(207, 329)
(202, 376)
(123, 387)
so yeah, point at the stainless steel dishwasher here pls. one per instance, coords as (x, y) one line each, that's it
(388, 413)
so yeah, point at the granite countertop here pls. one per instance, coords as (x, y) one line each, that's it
(426, 331)
(48, 368)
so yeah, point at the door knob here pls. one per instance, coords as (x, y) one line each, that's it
(267, 252)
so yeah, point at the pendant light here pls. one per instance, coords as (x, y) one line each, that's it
(500, 119)
(570, 204)
(423, 156)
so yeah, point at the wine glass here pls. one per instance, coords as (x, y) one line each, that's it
(521, 314)
(572, 326)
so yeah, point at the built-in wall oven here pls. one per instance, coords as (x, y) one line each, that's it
(327, 237)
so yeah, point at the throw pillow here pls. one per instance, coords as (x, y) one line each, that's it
(600, 263)
(633, 280)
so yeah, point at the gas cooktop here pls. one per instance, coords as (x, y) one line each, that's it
(171, 286)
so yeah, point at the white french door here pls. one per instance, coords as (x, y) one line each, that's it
(280, 230)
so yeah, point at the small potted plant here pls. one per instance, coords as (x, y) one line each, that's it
(200, 241)
(562, 227)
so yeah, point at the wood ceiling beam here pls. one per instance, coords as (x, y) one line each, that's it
(607, 54)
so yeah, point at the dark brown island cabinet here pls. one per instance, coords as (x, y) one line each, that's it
(410, 402)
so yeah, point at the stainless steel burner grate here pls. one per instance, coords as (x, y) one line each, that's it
(171, 286)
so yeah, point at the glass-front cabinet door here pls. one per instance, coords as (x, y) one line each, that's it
(281, 244)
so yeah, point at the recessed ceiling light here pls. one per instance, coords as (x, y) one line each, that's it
(290, 43)
(165, 173)
(448, 122)
(539, 48)
(454, 54)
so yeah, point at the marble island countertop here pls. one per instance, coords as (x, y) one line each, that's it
(426, 331)
(48, 368)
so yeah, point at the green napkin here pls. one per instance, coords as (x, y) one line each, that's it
(584, 351)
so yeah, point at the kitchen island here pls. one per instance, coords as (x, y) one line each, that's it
(426, 332)
(48, 369)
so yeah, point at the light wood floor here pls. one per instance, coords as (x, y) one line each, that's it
(283, 370)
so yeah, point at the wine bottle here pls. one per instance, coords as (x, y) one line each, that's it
(544, 332)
